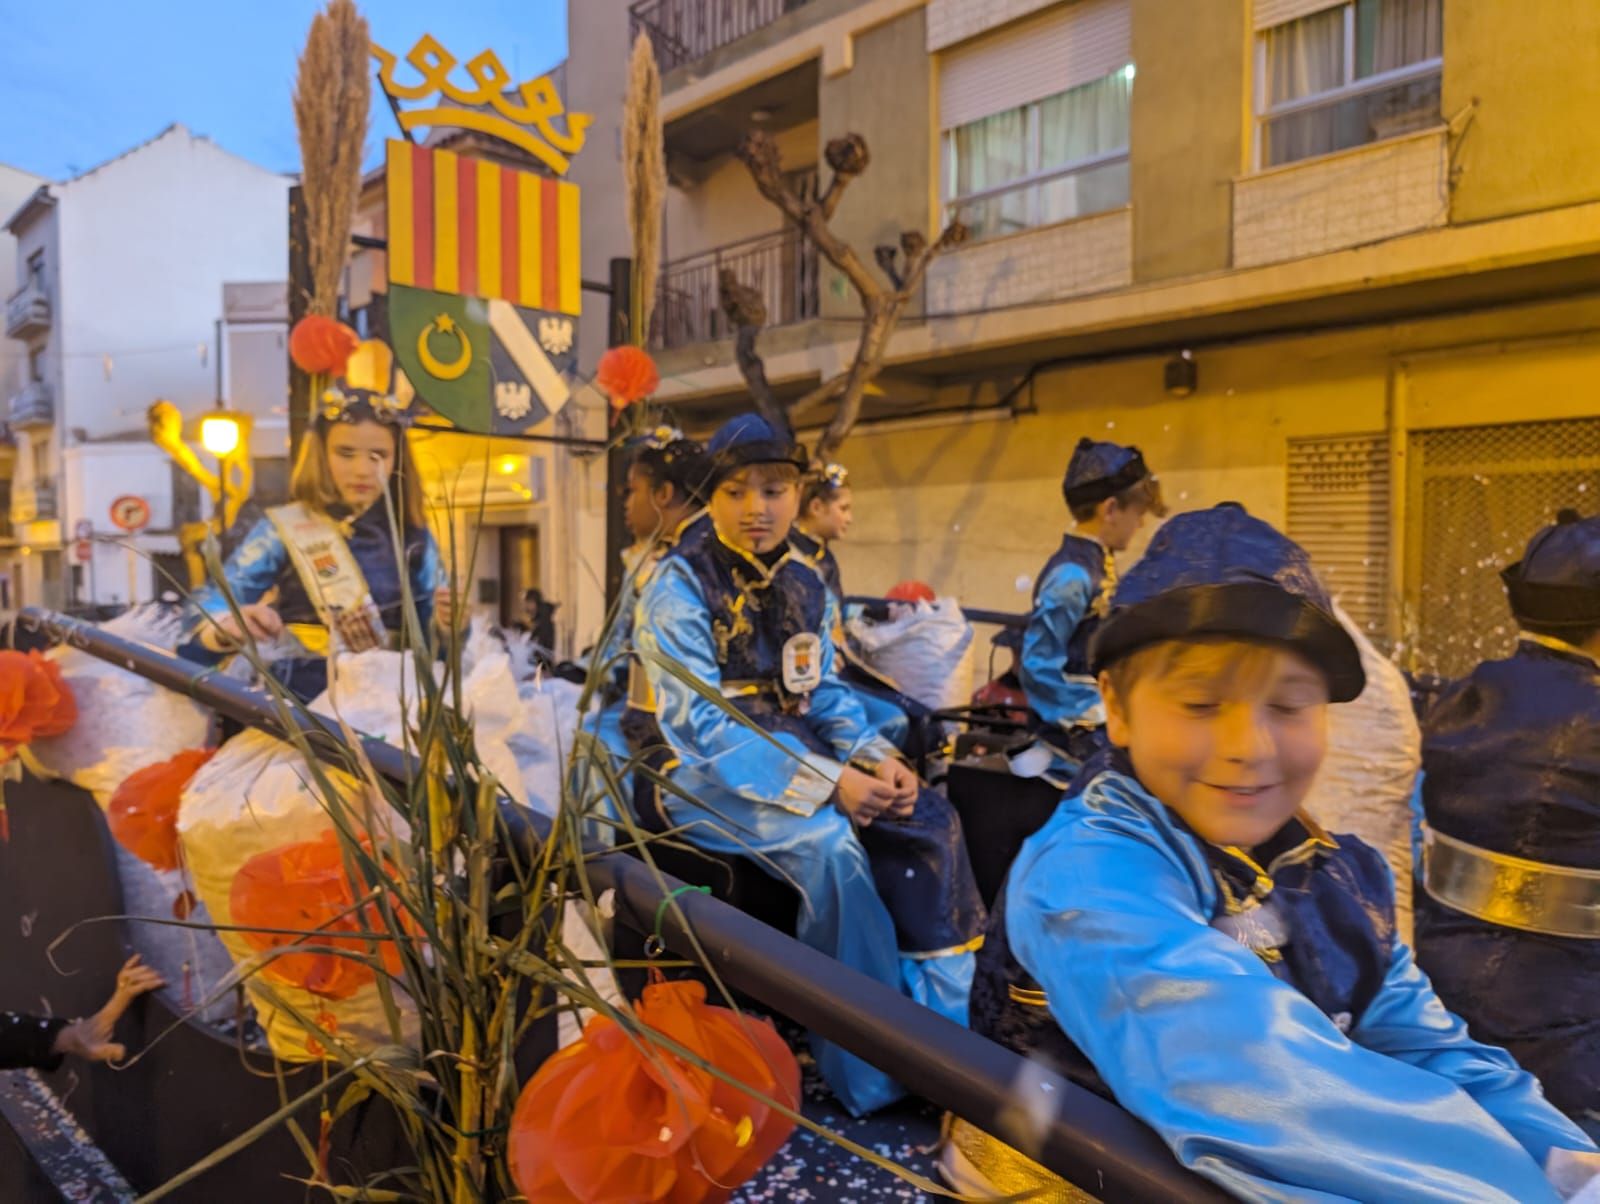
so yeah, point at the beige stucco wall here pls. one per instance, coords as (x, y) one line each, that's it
(1522, 85)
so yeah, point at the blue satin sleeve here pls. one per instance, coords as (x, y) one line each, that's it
(1408, 1021)
(835, 711)
(253, 569)
(1248, 1082)
(673, 623)
(1064, 598)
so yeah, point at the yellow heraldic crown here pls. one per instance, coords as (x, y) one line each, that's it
(509, 119)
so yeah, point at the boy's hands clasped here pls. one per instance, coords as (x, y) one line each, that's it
(890, 790)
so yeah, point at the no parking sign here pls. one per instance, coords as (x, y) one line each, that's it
(130, 513)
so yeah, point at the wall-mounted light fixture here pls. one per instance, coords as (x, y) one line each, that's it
(1182, 374)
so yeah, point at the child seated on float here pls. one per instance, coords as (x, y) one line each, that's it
(827, 510)
(794, 778)
(1179, 936)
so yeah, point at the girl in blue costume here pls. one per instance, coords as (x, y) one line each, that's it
(1181, 938)
(663, 492)
(815, 796)
(1108, 491)
(330, 557)
(1509, 927)
(826, 513)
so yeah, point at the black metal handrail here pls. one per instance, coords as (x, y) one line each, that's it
(782, 267)
(1088, 1140)
(685, 30)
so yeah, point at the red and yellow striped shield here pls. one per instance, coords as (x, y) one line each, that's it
(468, 226)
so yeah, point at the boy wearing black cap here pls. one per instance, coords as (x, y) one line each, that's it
(1509, 926)
(794, 777)
(1180, 938)
(1108, 490)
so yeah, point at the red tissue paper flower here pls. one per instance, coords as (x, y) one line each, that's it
(911, 591)
(322, 345)
(627, 374)
(35, 700)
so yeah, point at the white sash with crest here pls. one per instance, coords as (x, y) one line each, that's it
(327, 569)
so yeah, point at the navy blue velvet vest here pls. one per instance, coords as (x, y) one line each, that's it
(755, 611)
(818, 554)
(1091, 557)
(1339, 904)
(1511, 757)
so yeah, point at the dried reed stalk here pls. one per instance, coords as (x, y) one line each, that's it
(331, 97)
(644, 178)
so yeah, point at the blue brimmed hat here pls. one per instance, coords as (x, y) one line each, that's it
(1222, 573)
(749, 439)
(1098, 471)
(1557, 581)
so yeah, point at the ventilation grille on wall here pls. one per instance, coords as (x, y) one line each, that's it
(1339, 512)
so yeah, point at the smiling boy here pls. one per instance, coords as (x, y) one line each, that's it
(1181, 938)
(796, 778)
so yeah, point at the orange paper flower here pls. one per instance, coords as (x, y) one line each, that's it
(322, 345)
(301, 888)
(143, 815)
(912, 591)
(613, 1118)
(627, 374)
(34, 700)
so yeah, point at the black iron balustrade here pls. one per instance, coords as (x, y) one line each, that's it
(685, 30)
(782, 267)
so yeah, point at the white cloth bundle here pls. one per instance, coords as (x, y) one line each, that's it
(925, 648)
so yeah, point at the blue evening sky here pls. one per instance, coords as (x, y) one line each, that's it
(81, 81)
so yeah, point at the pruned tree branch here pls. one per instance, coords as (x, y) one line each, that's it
(881, 307)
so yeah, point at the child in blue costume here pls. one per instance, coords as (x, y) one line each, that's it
(664, 482)
(1181, 938)
(334, 539)
(815, 796)
(1509, 926)
(826, 512)
(1108, 490)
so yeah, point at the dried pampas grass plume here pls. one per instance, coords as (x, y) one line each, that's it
(332, 93)
(644, 178)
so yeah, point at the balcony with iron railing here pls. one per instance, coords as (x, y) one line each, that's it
(782, 267)
(33, 500)
(28, 310)
(685, 31)
(34, 406)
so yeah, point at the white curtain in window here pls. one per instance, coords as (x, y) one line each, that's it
(1087, 121)
(1400, 32)
(988, 154)
(1305, 57)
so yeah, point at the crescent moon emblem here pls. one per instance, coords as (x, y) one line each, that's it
(432, 364)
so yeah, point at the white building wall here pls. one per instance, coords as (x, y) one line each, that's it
(97, 474)
(16, 186)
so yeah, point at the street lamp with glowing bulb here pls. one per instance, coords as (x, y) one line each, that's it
(219, 433)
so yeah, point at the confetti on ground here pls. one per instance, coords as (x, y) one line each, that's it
(811, 1169)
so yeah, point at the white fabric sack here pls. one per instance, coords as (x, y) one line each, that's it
(125, 722)
(1374, 752)
(257, 795)
(926, 649)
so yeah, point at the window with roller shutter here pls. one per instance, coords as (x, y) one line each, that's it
(1339, 512)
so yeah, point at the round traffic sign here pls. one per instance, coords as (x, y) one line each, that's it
(83, 529)
(130, 513)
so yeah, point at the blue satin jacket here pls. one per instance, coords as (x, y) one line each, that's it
(688, 613)
(1055, 647)
(1512, 761)
(1109, 909)
(261, 561)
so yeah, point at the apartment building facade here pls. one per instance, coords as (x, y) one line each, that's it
(1338, 260)
(158, 274)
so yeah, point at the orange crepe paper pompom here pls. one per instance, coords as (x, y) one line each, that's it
(299, 889)
(143, 815)
(614, 1118)
(34, 700)
(322, 345)
(627, 374)
(912, 591)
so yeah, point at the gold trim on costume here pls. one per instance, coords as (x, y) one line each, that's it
(1511, 892)
(1011, 1173)
(1555, 645)
(1028, 996)
(971, 946)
